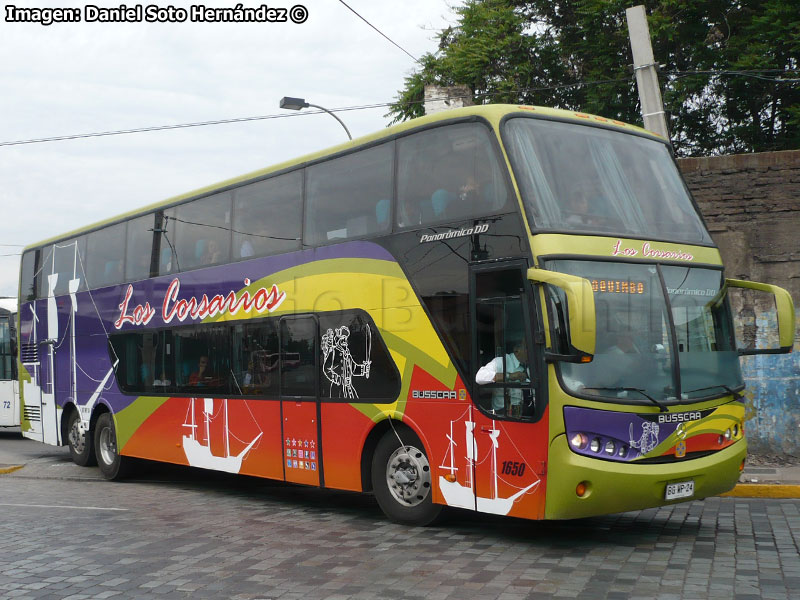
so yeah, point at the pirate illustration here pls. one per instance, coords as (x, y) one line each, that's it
(338, 364)
(648, 440)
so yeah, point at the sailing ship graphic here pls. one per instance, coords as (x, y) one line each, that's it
(197, 448)
(464, 496)
(41, 388)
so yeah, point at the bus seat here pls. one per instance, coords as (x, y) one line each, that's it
(199, 250)
(144, 374)
(186, 369)
(165, 262)
(382, 212)
(112, 271)
(439, 201)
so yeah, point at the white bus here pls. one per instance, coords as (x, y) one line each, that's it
(9, 387)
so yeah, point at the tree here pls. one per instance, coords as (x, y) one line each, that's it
(731, 78)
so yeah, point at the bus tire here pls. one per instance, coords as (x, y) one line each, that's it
(402, 479)
(112, 464)
(81, 445)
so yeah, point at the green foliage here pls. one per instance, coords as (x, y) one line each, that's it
(576, 55)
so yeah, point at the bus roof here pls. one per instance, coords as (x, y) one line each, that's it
(493, 113)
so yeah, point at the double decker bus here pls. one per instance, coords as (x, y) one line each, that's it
(507, 309)
(9, 396)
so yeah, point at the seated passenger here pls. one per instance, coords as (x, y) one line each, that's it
(202, 376)
(212, 254)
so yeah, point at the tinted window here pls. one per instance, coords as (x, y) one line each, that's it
(6, 346)
(164, 242)
(505, 372)
(298, 356)
(448, 173)
(27, 289)
(354, 362)
(268, 216)
(191, 360)
(105, 256)
(139, 248)
(63, 262)
(203, 232)
(146, 361)
(574, 177)
(202, 360)
(349, 196)
(255, 358)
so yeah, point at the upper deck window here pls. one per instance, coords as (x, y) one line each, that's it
(202, 233)
(138, 247)
(267, 216)
(27, 290)
(349, 197)
(448, 173)
(105, 256)
(62, 264)
(579, 178)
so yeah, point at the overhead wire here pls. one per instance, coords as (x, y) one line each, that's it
(747, 73)
(351, 9)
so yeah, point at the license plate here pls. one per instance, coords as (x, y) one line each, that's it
(684, 489)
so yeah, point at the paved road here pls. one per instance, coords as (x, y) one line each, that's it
(181, 533)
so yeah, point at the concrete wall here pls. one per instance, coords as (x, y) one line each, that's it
(751, 203)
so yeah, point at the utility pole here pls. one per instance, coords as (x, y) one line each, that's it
(645, 68)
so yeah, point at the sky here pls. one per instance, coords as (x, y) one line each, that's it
(76, 78)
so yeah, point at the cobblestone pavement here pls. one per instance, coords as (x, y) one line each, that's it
(238, 538)
(183, 533)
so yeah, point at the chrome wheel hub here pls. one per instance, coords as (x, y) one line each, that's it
(408, 475)
(108, 445)
(77, 439)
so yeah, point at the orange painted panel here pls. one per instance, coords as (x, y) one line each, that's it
(344, 431)
(300, 441)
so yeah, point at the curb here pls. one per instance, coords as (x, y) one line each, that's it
(10, 469)
(761, 490)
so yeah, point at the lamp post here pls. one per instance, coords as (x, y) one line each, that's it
(300, 103)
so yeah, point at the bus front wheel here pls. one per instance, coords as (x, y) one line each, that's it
(401, 479)
(112, 464)
(81, 445)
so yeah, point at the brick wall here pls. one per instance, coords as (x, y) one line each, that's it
(751, 203)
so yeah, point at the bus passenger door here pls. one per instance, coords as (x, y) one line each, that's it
(299, 399)
(9, 411)
(510, 431)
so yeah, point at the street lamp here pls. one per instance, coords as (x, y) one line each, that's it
(300, 103)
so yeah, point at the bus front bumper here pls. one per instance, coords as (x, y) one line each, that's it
(613, 487)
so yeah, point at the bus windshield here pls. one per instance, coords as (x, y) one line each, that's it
(581, 178)
(651, 345)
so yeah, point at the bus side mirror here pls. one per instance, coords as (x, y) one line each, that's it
(767, 315)
(581, 320)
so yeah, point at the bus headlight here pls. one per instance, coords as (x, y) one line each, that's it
(728, 433)
(579, 441)
(611, 447)
(594, 446)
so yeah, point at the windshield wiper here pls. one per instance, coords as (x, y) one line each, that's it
(736, 395)
(660, 406)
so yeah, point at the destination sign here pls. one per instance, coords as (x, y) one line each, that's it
(618, 286)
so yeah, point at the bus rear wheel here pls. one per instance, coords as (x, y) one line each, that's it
(401, 479)
(81, 445)
(112, 464)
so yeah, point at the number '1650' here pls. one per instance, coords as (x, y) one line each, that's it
(513, 468)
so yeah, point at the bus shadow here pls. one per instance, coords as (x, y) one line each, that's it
(640, 529)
